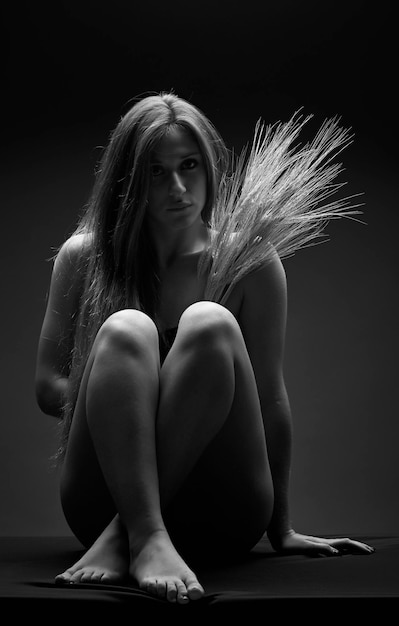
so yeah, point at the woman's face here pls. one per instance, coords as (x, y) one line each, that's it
(177, 191)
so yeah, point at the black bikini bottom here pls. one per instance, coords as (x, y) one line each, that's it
(166, 339)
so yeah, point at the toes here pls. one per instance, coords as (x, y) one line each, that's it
(68, 577)
(182, 598)
(95, 577)
(182, 595)
(195, 591)
(77, 577)
(160, 588)
(151, 587)
(86, 576)
(62, 579)
(107, 579)
(98, 577)
(171, 591)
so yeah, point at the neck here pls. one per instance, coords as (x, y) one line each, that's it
(172, 244)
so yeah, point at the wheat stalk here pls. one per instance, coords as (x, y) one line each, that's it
(276, 200)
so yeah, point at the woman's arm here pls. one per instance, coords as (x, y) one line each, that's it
(56, 337)
(262, 318)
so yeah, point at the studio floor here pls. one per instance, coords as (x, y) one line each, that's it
(260, 581)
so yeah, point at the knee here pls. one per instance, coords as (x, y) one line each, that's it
(209, 324)
(128, 330)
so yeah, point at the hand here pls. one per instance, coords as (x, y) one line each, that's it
(295, 543)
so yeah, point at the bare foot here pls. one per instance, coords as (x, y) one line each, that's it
(106, 561)
(159, 570)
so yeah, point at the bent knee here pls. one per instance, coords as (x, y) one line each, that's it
(129, 329)
(209, 323)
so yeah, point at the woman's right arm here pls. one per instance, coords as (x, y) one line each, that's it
(56, 337)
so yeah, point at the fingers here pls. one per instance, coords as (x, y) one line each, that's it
(320, 548)
(342, 545)
(339, 546)
(351, 546)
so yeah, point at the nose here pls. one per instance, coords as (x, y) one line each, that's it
(176, 187)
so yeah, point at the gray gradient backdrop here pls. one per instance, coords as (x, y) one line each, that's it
(71, 69)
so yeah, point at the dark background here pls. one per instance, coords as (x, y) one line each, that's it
(71, 70)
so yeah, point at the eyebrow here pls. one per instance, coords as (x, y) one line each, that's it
(181, 157)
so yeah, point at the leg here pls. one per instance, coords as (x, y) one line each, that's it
(111, 450)
(212, 456)
(208, 334)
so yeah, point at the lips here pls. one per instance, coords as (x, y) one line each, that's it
(180, 206)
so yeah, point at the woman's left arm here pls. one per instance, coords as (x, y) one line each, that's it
(263, 318)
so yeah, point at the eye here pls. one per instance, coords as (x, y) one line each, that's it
(156, 170)
(189, 164)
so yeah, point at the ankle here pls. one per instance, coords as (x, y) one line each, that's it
(137, 539)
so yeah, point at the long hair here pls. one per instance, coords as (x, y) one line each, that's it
(118, 261)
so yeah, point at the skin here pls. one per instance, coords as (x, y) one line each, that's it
(127, 479)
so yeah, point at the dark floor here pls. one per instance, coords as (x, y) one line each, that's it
(258, 582)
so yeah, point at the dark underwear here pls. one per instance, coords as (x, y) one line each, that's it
(166, 339)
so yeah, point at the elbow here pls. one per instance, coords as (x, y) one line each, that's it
(48, 397)
(275, 403)
(43, 396)
(272, 390)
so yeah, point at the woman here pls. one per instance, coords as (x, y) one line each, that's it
(176, 421)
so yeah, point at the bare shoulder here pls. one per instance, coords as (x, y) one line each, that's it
(74, 251)
(268, 281)
(261, 292)
(69, 269)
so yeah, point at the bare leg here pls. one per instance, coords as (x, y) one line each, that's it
(116, 411)
(210, 426)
